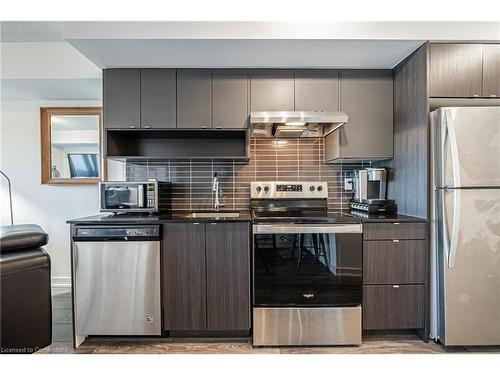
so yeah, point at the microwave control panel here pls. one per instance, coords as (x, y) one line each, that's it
(150, 196)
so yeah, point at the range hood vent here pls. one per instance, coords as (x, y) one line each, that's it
(289, 130)
(295, 123)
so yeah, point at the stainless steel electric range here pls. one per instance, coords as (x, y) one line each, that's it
(307, 267)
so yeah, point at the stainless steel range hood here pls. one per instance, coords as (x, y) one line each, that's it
(295, 123)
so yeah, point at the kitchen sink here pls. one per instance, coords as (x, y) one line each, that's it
(213, 214)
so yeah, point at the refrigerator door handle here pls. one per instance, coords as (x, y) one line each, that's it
(443, 137)
(455, 162)
(451, 136)
(452, 242)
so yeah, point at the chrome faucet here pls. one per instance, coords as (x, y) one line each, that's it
(215, 191)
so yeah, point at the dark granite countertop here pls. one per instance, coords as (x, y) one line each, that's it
(134, 219)
(389, 218)
(182, 216)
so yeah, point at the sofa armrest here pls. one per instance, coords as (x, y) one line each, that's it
(18, 237)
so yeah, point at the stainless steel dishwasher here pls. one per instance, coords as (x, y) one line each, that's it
(116, 280)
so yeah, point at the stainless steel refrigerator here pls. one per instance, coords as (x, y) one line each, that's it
(465, 261)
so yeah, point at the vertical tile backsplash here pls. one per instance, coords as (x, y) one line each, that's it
(271, 159)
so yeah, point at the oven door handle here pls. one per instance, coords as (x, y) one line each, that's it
(306, 228)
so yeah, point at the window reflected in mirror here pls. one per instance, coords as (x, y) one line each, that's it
(71, 145)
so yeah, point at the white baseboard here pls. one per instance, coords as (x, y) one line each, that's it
(61, 282)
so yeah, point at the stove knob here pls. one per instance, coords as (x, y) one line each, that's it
(311, 188)
(266, 189)
(259, 188)
(320, 188)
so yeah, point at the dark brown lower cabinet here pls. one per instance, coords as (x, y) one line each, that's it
(395, 276)
(184, 277)
(396, 230)
(228, 276)
(206, 277)
(393, 306)
(394, 262)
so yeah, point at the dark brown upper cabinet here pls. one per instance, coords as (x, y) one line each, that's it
(139, 98)
(194, 98)
(272, 90)
(158, 98)
(456, 70)
(491, 70)
(230, 98)
(316, 90)
(367, 98)
(122, 98)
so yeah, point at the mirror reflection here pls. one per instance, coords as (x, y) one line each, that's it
(74, 146)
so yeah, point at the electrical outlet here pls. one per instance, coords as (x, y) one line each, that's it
(348, 184)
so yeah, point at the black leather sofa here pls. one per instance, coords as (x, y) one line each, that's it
(26, 307)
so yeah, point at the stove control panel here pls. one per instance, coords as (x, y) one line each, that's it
(288, 189)
(291, 187)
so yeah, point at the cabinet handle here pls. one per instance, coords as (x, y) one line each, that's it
(396, 223)
(213, 223)
(147, 126)
(203, 126)
(475, 95)
(395, 286)
(196, 223)
(493, 95)
(395, 241)
(132, 126)
(218, 127)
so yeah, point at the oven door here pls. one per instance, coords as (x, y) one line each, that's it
(307, 265)
(123, 197)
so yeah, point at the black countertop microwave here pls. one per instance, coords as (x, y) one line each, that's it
(134, 196)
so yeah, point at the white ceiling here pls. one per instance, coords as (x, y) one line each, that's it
(263, 44)
(30, 31)
(284, 30)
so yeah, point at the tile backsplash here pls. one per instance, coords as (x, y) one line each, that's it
(271, 159)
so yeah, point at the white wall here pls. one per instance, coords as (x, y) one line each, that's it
(56, 60)
(46, 205)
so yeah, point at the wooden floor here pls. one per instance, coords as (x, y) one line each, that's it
(373, 344)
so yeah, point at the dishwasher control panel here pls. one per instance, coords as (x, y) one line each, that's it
(118, 232)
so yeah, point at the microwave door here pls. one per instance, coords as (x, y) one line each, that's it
(120, 197)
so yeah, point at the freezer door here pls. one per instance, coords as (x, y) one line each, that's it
(469, 262)
(469, 146)
(117, 288)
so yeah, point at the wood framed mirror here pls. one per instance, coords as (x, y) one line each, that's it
(71, 144)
